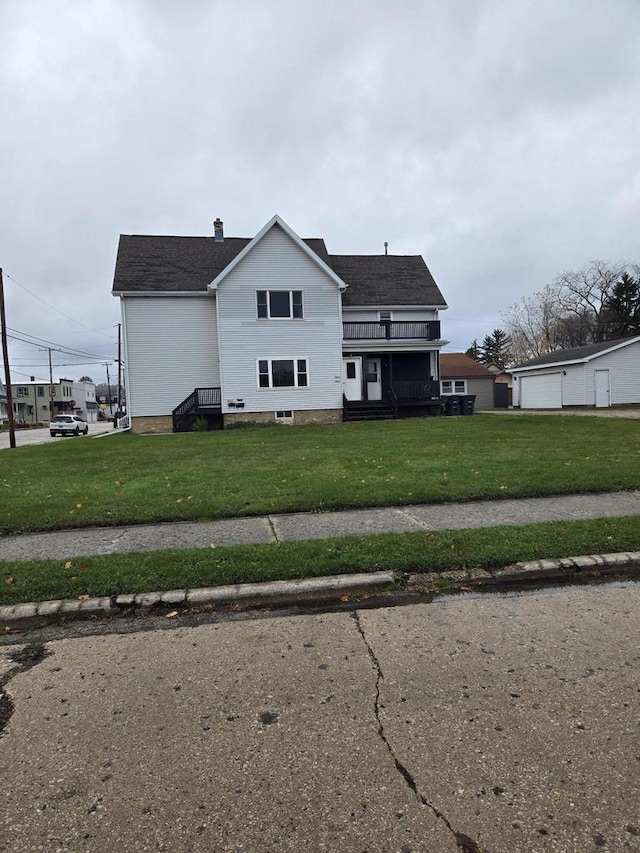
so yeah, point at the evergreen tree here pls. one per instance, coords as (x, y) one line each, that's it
(621, 308)
(496, 349)
(474, 351)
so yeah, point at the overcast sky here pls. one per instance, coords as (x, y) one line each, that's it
(500, 139)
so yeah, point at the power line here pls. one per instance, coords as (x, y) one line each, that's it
(59, 347)
(53, 308)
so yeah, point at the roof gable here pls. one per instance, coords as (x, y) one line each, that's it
(277, 222)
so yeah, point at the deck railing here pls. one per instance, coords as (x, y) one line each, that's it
(391, 330)
(415, 390)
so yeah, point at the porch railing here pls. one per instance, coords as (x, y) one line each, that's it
(391, 330)
(200, 401)
(405, 391)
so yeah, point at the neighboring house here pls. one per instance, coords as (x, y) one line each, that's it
(273, 328)
(502, 390)
(460, 374)
(600, 375)
(3, 403)
(84, 395)
(31, 400)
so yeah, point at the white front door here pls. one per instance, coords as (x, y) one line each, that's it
(352, 378)
(374, 379)
(602, 389)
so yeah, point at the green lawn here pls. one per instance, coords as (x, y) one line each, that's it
(408, 552)
(128, 479)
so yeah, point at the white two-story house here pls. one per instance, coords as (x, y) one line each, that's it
(273, 328)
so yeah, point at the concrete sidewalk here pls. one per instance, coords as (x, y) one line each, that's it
(65, 544)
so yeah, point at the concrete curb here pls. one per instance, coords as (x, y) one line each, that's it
(314, 590)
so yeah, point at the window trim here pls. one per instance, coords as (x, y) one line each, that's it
(382, 319)
(297, 372)
(264, 305)
(453, 383)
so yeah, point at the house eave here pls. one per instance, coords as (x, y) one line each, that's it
(377, 345)
(378, 306)
(161, 293)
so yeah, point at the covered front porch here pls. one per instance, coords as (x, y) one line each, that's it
(388, 385)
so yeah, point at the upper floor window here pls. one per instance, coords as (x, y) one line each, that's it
(40, 391)
(283, 373)
(279, 304)
(454, 386)
(22, 391)
(385, 315)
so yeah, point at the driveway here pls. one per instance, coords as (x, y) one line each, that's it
(26, 437)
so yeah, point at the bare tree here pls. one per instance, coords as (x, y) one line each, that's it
(572, 311)
(583, 297)
(532, 324)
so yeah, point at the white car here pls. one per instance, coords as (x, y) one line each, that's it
(68, 425)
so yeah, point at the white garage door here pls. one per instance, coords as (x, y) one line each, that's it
(541, 392)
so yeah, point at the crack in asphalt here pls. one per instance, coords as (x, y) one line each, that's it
(464, 842)
(24, 658)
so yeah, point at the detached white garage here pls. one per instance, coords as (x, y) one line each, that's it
(599, 375)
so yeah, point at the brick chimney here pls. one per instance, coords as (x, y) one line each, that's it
(218, 232)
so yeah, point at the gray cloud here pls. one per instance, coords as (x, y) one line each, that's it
(497, 139)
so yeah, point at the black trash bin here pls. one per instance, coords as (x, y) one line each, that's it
(452, 405)
(467, 404)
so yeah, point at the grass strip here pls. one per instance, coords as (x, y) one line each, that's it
(410, 552)
(129, 479)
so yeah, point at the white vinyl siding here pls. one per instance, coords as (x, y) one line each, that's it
(624, 371)
(362, 315)
(277, 263)
(171, 348)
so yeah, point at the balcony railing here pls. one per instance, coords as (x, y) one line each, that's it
(391, 330)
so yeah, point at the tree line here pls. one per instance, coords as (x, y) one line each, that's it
(600, 302)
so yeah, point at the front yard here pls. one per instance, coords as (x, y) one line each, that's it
(128, 479)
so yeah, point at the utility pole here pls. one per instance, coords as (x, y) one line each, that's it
(106, 364)
(7, 374)
(119, 368)
(50, 386)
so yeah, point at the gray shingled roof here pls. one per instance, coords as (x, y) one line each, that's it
(179, 264)
(150, 264)
(562, 356)
(386, 280)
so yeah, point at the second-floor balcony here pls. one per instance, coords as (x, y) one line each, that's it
(391, 330)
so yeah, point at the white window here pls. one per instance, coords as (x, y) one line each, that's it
(454, 386)
(284, 415)
(385, 315)
(279, 304)
(283, 373)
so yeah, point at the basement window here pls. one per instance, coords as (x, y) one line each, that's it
(284, 415)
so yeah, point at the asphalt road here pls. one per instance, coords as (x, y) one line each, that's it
(496, 724)
(25, 437)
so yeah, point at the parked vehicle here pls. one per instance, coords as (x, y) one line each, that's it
(68, 425)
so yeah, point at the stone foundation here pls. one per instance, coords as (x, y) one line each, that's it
(302, 416)
(152, 423)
